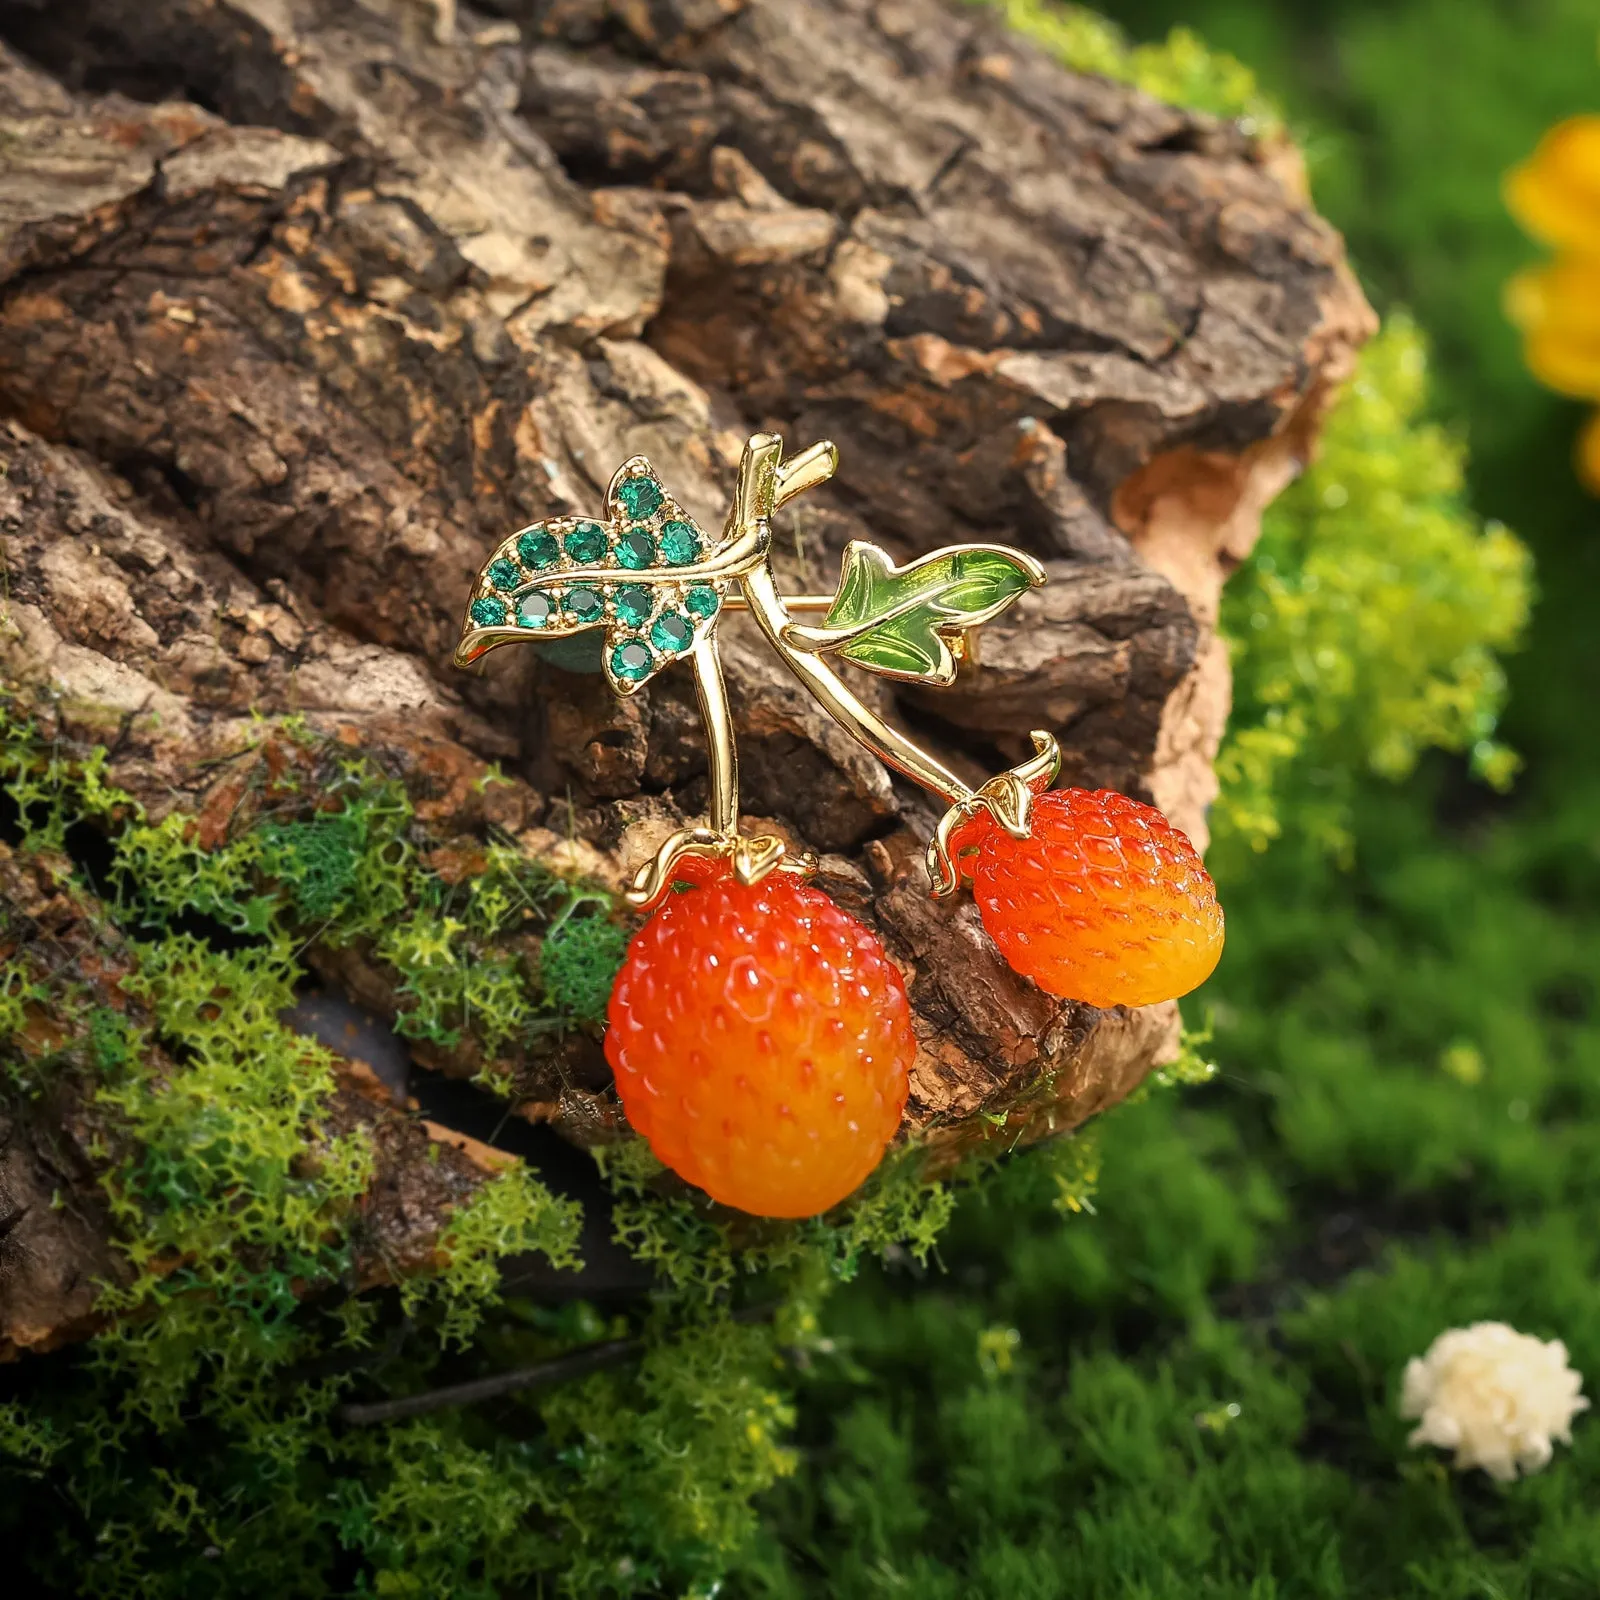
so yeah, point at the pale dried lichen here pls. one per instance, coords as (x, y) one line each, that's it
(1497, 1397)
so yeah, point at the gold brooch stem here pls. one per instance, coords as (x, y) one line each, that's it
(836, 699)
(722, 752)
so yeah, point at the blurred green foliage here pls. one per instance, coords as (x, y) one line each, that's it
(1182, 68)
(1280, 1242)
(1368, 625)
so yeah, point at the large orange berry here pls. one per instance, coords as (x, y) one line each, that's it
(1104, 902)
(761, 1039)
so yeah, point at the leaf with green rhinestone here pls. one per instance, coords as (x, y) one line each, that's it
(586, 544)
(637, 549)
(537, 550)
(487, 611)
(680, 544)
(703, 601)
(631, 660)
(672, 632)
(640, 496)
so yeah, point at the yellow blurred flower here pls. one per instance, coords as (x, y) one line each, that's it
(1555, 195)
(1557, 307)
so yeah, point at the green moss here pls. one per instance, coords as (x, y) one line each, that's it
(321, 858)
(511, 1215)
(1181, 70)
(1367, 625)
(18, 991)
(26, 1443)
(161, 872)
(222, 1210)
(674, 1498)
(203, 1417)
(897, 1209)
(579, 962)
(699, 1249)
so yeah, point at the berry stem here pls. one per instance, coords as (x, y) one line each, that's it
(866, 726)
(721, 751)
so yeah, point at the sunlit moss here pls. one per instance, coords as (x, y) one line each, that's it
(510, 1215)
(1181, 70)
(1368, 624)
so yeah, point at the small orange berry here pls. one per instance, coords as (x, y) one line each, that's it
(1104, 902)
(761, 1040)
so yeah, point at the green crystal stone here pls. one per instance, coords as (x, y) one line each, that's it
(680, 544)
(634, 605)
(631, 660)
(535, 610)
(586, 544)
(639, 497)
(637, 549)
(672, 632)
(488, 612)
(503, 574)
(703, 600)
(538, 550)
(584, 605)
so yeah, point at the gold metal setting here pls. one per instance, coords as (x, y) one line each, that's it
(645, 576)
(1008, 798)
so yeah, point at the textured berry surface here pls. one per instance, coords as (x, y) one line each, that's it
(761, 1039)
(1106, 902)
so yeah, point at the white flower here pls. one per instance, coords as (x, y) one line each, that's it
(1495, 1396)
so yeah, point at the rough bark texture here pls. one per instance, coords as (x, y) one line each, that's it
(304, 304)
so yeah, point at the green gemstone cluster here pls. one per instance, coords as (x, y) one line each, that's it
(648, 623)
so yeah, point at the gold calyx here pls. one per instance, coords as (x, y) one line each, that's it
(1008, 798)
(751, 856)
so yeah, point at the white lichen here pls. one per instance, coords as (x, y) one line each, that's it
(1497, 1397)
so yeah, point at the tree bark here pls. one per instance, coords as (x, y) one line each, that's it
(305, 304)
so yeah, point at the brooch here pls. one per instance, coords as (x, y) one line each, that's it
(760, 1036)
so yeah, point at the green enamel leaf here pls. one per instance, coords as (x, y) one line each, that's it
(899, 621)
(904, 646)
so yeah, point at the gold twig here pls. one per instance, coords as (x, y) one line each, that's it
(911, 622)
(722, 753)
(866, 726)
